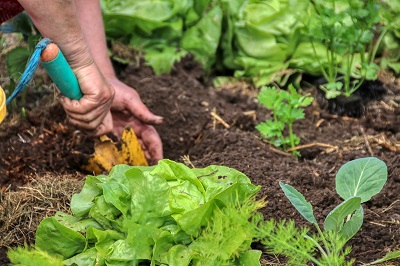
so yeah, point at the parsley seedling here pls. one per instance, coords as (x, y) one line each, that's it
(346, 29)
(287, 107)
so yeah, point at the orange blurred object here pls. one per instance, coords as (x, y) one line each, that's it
(2, 105)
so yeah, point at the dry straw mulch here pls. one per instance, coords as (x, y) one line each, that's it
(22, 210)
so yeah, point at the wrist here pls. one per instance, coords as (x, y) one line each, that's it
(77, 53)
(109, 74)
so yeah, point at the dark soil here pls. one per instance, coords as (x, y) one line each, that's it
(43, 143)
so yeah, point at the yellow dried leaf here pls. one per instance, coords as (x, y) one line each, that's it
(105, 156)
(131, 150)
(106, 153)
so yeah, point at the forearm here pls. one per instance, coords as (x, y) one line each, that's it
(57, 20)
(90, 18)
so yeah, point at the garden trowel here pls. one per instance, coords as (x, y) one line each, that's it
(107, 153)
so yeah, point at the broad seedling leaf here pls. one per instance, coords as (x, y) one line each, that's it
(299, 202)
(362, 178)
(16, 61)
(335, 219)
(351, 227)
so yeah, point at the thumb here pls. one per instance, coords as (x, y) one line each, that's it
(105, 127)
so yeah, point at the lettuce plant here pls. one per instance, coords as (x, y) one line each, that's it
(356, 182)
(287, 107)
(163, 215)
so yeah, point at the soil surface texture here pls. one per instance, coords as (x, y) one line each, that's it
(204, 125)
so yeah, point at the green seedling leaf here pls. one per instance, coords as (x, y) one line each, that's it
(298, 100)
(272, 130)
(23, 24)
(286, 107)
(388, 256)
(270, 97)
(363, 178)
(299, 202)
(16, 61)
(32, 41)
(332, 94)
(371, 71)
(335, 219)
(351, 227)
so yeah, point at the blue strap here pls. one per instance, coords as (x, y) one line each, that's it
(30, 69)
(7, 28)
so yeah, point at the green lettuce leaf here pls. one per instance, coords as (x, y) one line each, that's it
(58, 239)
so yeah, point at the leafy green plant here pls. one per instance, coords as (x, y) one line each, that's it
(286, 239)
(167, 31)
(356, 182)
(347, 30)
(167, 214)
(287, 107)
(390, 19)
(262, 41)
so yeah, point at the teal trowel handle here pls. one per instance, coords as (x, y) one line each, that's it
(60, 72)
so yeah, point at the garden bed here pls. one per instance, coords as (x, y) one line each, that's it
(203, 126)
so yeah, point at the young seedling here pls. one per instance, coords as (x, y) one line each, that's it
(356, 182)
(287, 107)
(347, 30)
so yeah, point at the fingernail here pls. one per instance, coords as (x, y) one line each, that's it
(158, 118)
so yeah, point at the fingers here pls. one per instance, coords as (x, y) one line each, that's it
(141, 112)
(91, 113)
(105, 127)
(94, 128)
(147, 135)
(153, 145)
(127, 99)
(88, 120)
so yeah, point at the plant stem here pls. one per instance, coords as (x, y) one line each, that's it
(280, 133)
(319, 61)
(317, 245)
(332, 77)
(323, 240)
(377, 44)
(305, 254)
(290, 125)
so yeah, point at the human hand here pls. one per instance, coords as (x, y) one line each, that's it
(91, 113)
(127, 109)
